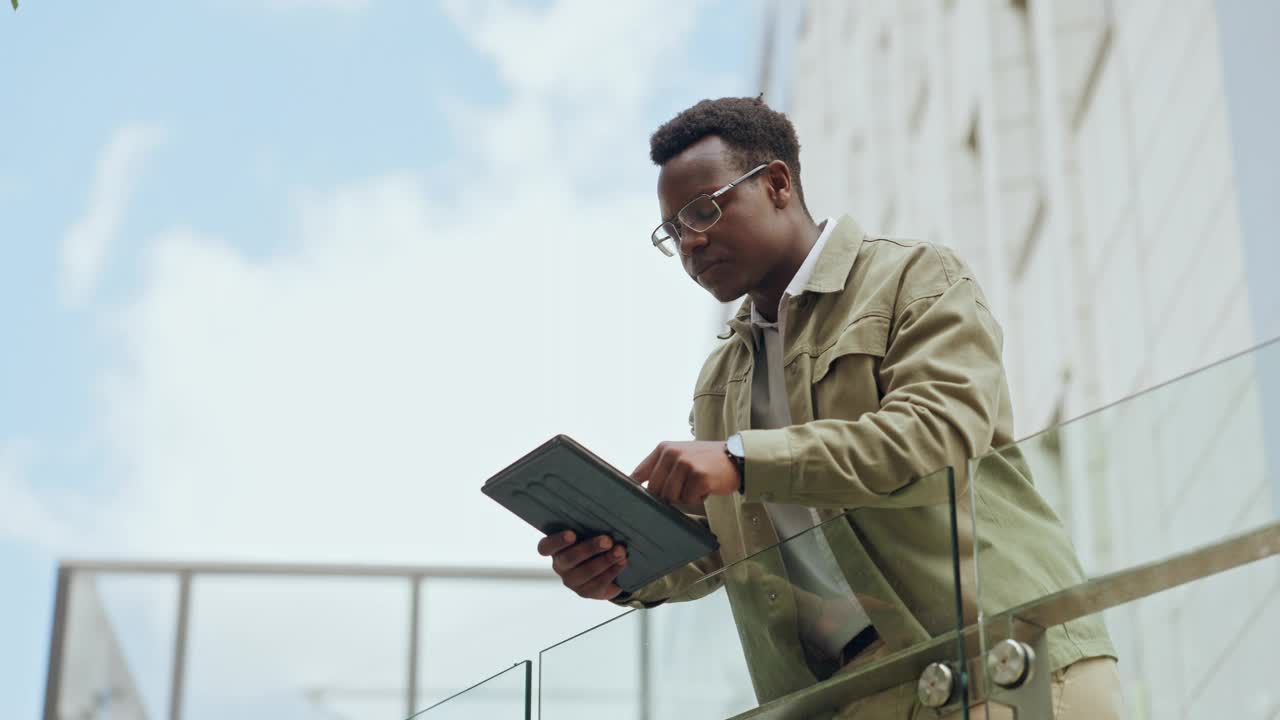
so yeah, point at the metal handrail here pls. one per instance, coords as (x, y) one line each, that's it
(1087, 598)
(175, 567)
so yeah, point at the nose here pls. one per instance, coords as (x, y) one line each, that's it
(691, 241)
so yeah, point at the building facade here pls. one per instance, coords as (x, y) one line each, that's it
(1079, 155)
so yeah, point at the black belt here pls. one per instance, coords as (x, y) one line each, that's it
(860, 642)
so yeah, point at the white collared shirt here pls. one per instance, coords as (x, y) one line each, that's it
(809, 560)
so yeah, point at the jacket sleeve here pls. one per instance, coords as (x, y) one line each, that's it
(943, 383)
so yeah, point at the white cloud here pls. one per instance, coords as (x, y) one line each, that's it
(592, 53)
(88, 240)
(344, 398)
(584, 80)
(356, 390)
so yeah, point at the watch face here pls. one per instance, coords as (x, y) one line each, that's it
(734, 445)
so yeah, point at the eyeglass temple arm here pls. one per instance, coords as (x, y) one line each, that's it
(731, 185)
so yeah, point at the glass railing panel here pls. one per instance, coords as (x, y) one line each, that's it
(143, 609)
(277, 647)
(1172, 472)
(504, 696)
(468, 626)
(785, 625)
(118, 657)
(599, 673)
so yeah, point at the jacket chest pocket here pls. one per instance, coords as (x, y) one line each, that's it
(845, 375)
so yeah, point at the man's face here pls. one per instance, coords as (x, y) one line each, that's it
(732, 257)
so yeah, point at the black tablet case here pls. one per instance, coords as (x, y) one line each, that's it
(563, 486)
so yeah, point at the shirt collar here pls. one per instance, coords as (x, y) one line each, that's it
(830, 272)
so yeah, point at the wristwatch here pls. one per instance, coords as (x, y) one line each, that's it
(734, 449)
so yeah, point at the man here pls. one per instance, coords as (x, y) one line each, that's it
(856, 368)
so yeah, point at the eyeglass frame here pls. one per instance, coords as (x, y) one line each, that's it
(679, 237)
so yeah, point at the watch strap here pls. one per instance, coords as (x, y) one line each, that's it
(739, 464)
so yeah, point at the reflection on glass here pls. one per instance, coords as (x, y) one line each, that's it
(505, 696)
(1162, 473)
(766, 627)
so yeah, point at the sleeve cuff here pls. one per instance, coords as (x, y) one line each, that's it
(630, 600)
(767, 471)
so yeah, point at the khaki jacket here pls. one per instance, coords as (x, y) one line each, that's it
(893, 368)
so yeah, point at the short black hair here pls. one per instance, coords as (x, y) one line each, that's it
(754, 132)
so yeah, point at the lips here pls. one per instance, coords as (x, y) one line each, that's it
(698, 271)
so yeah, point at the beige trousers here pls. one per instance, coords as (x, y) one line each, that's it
(1085, 690)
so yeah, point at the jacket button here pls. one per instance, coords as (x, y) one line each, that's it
(755, 520)
(773, 596)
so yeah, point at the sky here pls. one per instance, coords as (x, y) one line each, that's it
(286, 280)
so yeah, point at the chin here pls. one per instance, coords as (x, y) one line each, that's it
(725, 287)
(726, 295)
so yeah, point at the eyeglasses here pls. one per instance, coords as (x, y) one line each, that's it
(699, 215)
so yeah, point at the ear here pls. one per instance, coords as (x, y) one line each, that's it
(780, 188)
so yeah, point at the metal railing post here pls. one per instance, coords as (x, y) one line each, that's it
(57, 641)
(411, 682)
(646, 681)
(180, 646)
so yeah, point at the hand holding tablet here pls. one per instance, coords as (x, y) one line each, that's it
(561, 486)
(589, 567)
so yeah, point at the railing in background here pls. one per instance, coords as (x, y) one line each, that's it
(282, 605)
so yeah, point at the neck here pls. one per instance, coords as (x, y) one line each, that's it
(800, 240)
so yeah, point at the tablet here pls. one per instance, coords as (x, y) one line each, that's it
(563, 486)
